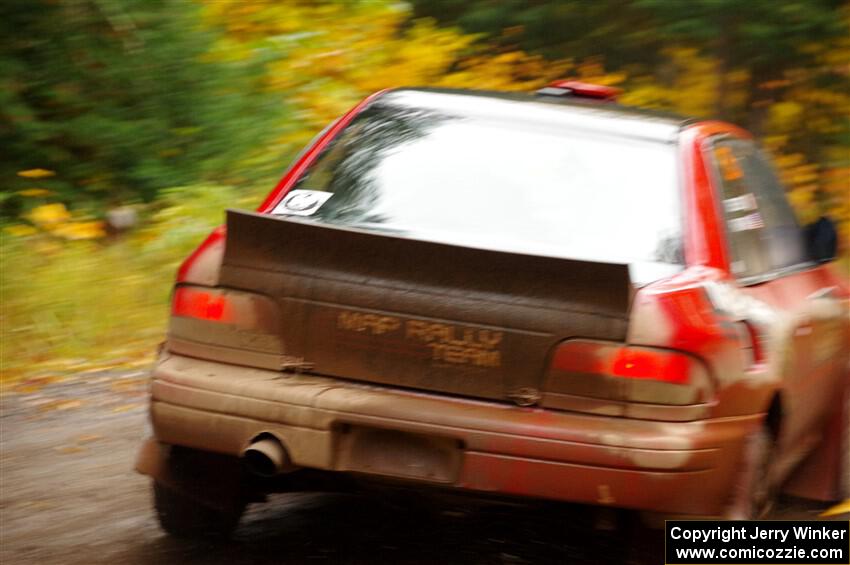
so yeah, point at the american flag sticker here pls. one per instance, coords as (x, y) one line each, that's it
(744, 223)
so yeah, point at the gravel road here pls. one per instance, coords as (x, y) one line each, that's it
(68, 494)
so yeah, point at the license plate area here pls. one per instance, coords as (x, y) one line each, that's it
(393, 453)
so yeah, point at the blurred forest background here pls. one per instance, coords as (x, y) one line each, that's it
(159, 115)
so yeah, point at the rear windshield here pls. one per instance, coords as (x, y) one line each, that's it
(490, 181)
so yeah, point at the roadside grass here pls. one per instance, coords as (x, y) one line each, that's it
(72, 306)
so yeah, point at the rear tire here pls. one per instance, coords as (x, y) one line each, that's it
(185, 517)
(753, 493)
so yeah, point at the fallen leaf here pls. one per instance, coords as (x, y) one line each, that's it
(842, 508)
(127, 407)
(27, 388)
(129, 384)
(60, 405)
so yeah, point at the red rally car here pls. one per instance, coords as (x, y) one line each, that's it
(549, 296)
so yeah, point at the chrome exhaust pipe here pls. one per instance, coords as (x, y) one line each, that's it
(265, 457)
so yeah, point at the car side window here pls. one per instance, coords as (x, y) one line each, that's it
(762, 230)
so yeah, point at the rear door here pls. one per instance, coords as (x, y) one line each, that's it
(808, 335)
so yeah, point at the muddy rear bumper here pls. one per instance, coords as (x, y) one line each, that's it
(672, 467)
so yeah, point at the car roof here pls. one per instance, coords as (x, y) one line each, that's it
(573, 113)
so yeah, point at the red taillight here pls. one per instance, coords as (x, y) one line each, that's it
(207, 304)
(224, 324)
(648, 364)
(589, 357)
(630, 373)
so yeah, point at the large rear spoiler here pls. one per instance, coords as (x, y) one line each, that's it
(273, 244)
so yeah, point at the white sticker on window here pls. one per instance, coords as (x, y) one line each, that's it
(743, 203)
(302, 202)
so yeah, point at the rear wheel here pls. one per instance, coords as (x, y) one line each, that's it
(182, 516)
(753, 493)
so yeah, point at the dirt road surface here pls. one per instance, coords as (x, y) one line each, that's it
(68, 494)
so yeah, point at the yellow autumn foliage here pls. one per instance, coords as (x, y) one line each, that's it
(49, 215)
(56, 220)
(333, 54)
(34, 192)
(20, 230)
(80, 230)
(36, 173)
